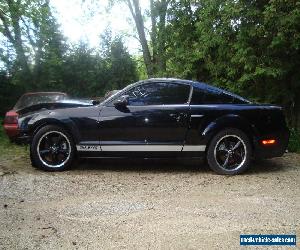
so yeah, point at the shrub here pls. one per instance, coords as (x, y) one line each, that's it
(294, 142)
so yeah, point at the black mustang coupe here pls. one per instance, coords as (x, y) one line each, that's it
(159, 118)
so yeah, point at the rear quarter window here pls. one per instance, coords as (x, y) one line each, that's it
(206, 96)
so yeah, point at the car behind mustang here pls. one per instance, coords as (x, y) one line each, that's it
(33, 102)
(159, 118)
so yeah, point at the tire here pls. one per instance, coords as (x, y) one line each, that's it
(229, 152)
(52, 149)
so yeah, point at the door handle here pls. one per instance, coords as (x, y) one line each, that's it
(178, 116)
(175, 116)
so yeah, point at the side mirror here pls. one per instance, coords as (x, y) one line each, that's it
(122, 101)
(95, 102)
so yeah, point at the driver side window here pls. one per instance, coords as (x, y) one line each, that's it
(158, 94)
(136, 95)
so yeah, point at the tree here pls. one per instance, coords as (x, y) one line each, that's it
(249, 47)
(123, 67)
(28, 25)
(50, 49)
(154, 50)
(11, 16)
(92, 74)
(81, 71)
(183, 61)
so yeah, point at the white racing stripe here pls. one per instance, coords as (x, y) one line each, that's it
(199, 148)
(197, 116)
(88, 148)
(141, 148)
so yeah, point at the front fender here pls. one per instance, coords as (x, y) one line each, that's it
(43, 119)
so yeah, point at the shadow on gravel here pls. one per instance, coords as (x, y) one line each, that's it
(264, 166)
(170, 165)
(145, 165)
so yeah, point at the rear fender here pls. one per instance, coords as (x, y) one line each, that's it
(229, 121)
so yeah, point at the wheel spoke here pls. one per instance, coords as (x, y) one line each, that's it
(64, 152)
(47, 142)
(223, 148)
(47, 139)
(237, 145)
(226, 161)
(44, 151)
(226, 144)
(238, 157)
(51, 158)
(55, 158)
(55, 140)
(60, 139)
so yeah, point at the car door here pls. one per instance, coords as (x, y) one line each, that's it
(155, 119)
(206, 106)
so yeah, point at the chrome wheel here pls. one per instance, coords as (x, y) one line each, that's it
(54, 149)
(230, 152)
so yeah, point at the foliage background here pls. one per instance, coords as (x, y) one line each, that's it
(249, 47)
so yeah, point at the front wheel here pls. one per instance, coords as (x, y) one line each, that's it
(52, 149)
(229, 152)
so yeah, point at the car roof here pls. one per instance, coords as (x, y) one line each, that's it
(45, 92)
(168, 80)
(196, 84)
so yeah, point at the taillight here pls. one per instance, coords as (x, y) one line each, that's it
(268, 142)
(10, 123)
(11, 117)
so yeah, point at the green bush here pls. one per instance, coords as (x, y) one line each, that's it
(294, 142)
(8, 149)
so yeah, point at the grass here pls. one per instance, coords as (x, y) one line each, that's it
(294, 142)
(8, 149)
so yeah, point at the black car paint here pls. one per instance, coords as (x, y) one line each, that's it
(182, 125)
(29, 112)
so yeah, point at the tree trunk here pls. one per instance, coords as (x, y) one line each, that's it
(16, 37)
(161, 37)
(139, 22)
(155, 63)
(296, 114)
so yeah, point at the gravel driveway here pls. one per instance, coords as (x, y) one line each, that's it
(145, 204)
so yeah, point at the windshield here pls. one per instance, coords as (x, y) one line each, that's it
(108, 97)
(37, 98)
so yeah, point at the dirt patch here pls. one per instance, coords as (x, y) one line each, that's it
(142, 204)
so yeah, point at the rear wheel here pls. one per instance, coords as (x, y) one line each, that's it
(52, 149)
(229, 152)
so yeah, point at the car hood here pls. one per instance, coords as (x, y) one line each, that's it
(68, 103)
